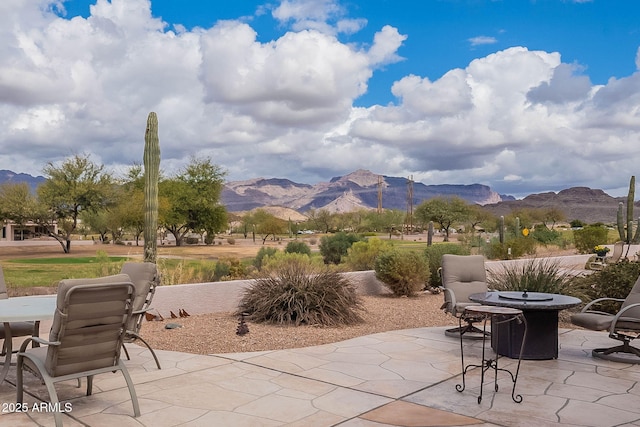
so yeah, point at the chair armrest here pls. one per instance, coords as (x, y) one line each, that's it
(620, 314)
(25, 343)
(449, 300)
(599, 300)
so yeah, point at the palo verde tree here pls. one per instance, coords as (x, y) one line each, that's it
(76, 185)
(445, 211)
(193, 200)
(18, 204)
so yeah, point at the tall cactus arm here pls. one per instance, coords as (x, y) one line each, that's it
(621, 223)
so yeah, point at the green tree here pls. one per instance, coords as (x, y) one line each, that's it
(333, 248)
(74, 186)
(192, 200)
(445, 211)
(17, 203)
(267, 224)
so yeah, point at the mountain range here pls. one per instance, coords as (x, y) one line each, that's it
(357, 190)
(360, 190)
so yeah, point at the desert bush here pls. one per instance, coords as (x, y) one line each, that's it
(297, 247)
(231, 240)
(229, 269)
(105, 266)
(334, 247)
(614, 281)
(586, 238)
(546, 236)
(280, 260)
(191, 240)
(434, 255)
(404, 273)
(262, 253)
(299, 294)
(533, 275)
(362, 255)
(518, 246)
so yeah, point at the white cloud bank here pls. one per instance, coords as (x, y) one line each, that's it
(520, 121)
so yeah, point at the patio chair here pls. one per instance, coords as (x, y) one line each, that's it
(462, 275)
(145, 278)
(618, 249)
(623, 326)
(18, 329)
(85, 339)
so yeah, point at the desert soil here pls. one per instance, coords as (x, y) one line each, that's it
(216, 332)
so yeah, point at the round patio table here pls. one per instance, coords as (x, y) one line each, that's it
(23, 309)
(541, 312)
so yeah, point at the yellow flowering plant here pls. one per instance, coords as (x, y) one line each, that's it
(601, 249)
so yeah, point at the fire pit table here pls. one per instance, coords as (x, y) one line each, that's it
(541, 312)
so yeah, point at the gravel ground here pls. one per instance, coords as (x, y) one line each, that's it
(216, 333)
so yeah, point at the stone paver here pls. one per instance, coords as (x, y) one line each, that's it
(400, 378)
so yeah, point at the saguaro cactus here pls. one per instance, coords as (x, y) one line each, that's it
(626, 234)
(151, 176)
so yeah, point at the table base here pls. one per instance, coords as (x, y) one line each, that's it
(542, 336)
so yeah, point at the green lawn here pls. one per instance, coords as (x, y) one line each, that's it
(49, 271)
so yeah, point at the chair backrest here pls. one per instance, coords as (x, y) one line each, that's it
(145, 279)
(89, 322)
(463, 275)
(3, 286)
(618, 248)
(633, 298)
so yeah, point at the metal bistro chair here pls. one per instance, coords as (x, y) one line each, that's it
(145, 278)
(623, 326)
(86, 336)
(463, 275)
(18, 329)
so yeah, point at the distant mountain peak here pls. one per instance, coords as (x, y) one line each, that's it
(361, 177)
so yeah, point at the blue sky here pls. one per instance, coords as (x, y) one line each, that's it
(523, 96)
(600, 36)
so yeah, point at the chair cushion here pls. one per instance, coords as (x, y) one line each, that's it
(592, 321)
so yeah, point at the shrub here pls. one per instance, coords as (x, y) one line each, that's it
(404, 273)
(533, 275)
(434, 255)
(191, 240)
(297, 247)
(614, 281)
(362, 255)
(231, 240)
(546, 236)
(299, 294)
(511, 248)
(280, 260)
(588, 237)
(333, 248)
(262, 253)
(229, 269)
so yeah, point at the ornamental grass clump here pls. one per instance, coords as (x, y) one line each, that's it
(532, 275)
(299, 294)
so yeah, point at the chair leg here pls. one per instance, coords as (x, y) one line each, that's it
(132, 390)
(474, 332)
(153, 353)
(126, 352)
(616, 353)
